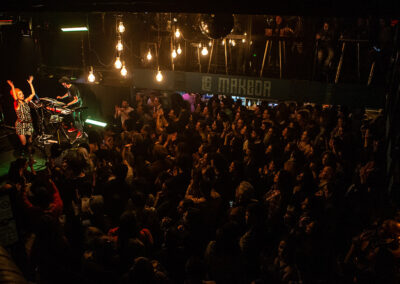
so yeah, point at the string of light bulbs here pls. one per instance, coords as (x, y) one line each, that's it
(119, 64)
(91, 78)
(177, 37)
(159, 76)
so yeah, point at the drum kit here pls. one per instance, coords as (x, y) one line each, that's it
(51, 114)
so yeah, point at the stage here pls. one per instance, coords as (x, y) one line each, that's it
(10, 148)
(10, 151)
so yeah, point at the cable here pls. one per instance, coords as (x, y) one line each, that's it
(99, 60)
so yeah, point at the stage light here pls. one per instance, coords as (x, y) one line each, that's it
(179, 49)
(149, 56)
(204, 51)
(124, 72)
(120, 46)
(95, 122)
(75, 29)
(159, 76)
(177, 33)
(173, 53)
(91, 77)
(118, 63)
(121, 27)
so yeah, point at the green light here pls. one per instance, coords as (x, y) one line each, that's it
(94, 122)
(75, 29)
(254, 55)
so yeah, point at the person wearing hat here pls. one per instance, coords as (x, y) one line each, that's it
(73, 98)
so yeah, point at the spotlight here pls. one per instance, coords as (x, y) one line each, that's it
(159, 76)
(121, 27)
(204, 51)
(149, 56)
(177, 33)
(120, 46)
(118, 63)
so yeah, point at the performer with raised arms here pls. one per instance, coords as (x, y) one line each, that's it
(23, 125)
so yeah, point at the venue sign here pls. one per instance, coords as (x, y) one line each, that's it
(261, 88)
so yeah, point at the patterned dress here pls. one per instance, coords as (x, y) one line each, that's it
(23, 125)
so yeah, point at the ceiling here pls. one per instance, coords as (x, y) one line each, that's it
(323, 8)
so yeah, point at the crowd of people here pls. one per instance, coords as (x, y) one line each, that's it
(217, 193)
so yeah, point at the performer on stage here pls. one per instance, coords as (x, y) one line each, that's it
(23, 125)
(74, 99)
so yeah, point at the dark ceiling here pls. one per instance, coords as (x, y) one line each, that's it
(324, 8)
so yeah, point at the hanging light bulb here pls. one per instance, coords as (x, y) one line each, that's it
(173, 53)
(149, 56)
(244, 40)
(179, 49)
(120, 46)
(223, 42)
(233, 42)
(177, 33)
(200, 45)
(230, 41)
(124, 72)
(210, 43)
(159, 76)
(204, 51)
(91, 77)
(118, 63)
(121, 27)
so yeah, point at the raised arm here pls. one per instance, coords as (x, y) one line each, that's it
(13, 89)
(117, 112)
(28, 99)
